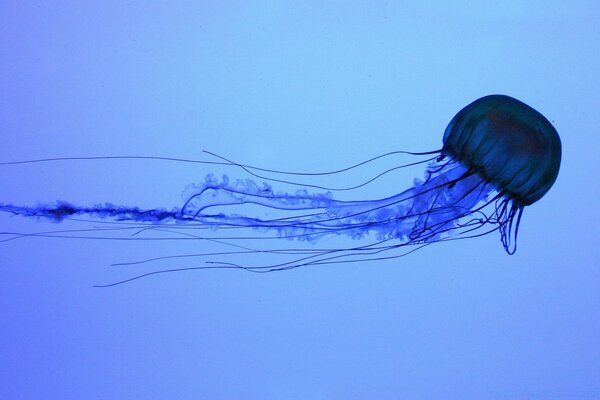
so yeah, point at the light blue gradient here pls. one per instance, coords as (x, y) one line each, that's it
(298, 86)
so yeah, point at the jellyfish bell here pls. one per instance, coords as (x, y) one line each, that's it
(510, 145)
(499, 155)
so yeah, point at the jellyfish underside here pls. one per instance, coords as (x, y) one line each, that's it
(499, 155)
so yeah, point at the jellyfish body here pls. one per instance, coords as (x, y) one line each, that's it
(498, 156)
(510, 144)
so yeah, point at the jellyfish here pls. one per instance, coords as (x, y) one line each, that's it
(499, 155)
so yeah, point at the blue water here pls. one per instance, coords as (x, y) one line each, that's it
(301, 87)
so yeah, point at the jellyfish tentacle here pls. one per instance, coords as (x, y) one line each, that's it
(248, 169)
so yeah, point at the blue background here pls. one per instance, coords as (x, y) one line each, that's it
(305, 86)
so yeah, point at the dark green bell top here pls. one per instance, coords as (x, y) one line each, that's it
(509, 144)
